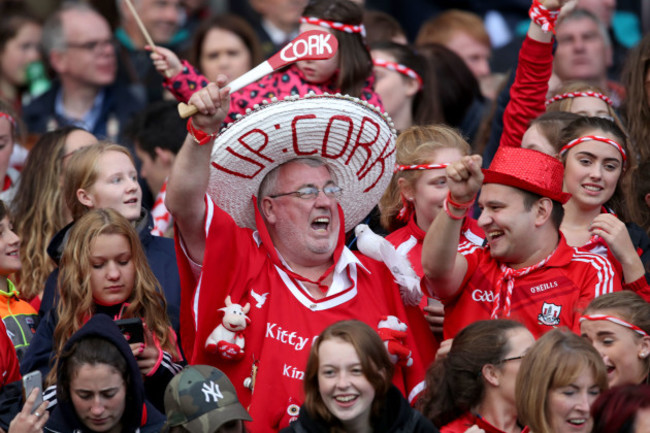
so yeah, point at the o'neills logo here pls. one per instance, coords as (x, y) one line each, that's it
(543, 287)
(313, 45)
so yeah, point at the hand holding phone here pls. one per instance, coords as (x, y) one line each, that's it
(131, 329)
(32, 381)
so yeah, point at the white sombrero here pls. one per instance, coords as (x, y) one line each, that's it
(355, 138)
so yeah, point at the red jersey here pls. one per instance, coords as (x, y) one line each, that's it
(9, 368)
(460, 425)
(549, 297)
(285, 319)
(409, 239)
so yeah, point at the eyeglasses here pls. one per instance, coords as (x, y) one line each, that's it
(95, 47)
(514, 358)
(311, 192)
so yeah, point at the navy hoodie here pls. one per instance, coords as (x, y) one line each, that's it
(139, 415)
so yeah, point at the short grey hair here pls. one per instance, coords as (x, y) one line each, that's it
(577, 14)
(267, 187)
(53, 36)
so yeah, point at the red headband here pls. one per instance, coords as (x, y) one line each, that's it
(615, 320)
(609, 141)
(9, 118)
(586, 94)
(349, 28)
(399, 167)
(404, 70)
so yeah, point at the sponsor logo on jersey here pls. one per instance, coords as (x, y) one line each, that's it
(543, 287)
(286, 337)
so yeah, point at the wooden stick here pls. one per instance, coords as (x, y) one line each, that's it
(144, 31)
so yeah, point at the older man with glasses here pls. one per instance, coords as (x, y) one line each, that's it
(284, 184)
(80, 48)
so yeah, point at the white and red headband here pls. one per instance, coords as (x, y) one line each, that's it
(348, 28)
(579, 140)
(397, 67)
(9, 118)
(407, 207)
(585, 94)
(399, 167)
(615, 320)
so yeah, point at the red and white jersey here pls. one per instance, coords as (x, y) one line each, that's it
(549, 297)
(285, 319)
(409, 239)
(460, 425)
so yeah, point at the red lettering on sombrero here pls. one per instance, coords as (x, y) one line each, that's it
(247, 139)
(380, 160)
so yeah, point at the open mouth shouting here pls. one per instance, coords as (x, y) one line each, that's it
(321, 224)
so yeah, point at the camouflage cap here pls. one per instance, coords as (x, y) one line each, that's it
(201, 399)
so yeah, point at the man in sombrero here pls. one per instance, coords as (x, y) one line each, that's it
(261, 213)
(527, 272)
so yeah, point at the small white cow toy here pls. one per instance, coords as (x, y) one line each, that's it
(227, 339)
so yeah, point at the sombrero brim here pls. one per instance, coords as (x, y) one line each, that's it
(355, 138)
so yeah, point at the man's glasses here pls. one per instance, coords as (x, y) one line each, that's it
(311, 192)
(95, 47)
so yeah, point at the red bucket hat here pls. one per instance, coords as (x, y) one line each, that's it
(529, 170)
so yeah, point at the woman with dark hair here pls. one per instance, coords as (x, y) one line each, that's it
(618, 326)
(543, 133)
(475, 383)
(405, 85)
(348, 386)
(624, 409)
(99, 385)
(20, 36)
(638, 195)
(558, 381)
(635, 109)
(596, 157)
(457, 90)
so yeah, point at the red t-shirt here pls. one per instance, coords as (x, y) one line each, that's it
(285, 319)
(549, 297)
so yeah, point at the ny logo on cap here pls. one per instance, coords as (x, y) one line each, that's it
(211, 390)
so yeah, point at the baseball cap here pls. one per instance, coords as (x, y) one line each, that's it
(201, 399)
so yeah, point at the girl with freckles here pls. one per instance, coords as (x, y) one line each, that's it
(596, 157)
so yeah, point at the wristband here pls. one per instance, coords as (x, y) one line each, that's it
(465, 205)
(445, 206)
(543, 17)
(200, 137)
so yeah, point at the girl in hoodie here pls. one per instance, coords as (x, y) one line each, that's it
(104, 270)
(99, 386)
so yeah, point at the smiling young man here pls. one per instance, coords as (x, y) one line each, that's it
(285, 183)
(527, 272)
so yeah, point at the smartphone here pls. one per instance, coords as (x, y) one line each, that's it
(131, 329)
(30, 381)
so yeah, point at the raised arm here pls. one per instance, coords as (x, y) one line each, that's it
(190, 174)
(444, 268)
(534, 69)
